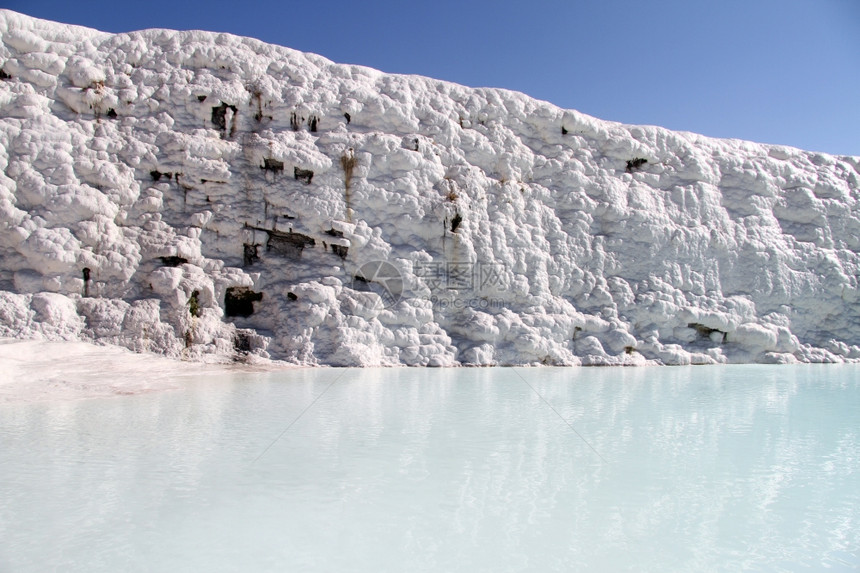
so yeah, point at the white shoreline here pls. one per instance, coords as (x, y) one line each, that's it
(39, 370)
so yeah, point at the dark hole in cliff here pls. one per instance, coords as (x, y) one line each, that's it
(86, 273)
(292, 296)
(312, 123)
(340, 250)
(294, 121)
(455, 222)
(4, 75)
(239, 301)
(257, 96)
(194, 303)
(249, 254)
(303, 175)
(111, 113)
(635, 163)
(219, 116)
(173, 261)
(334, 233)
(704, 331)
(157, 175)
(273, 165)
(288, 244)
(201, 98)
(242, 342)
(563, 130)
(348, 118)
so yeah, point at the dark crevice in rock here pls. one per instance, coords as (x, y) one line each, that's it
(86, 274)
(258, 97)
(455, 222)
(704, 331)
(340, 250)
(194, 304)
(249, 254)
(273, 165)
(239, 301)
(288, 244)
(305, 175)
(173, 261)
(219, 118)
(242, 342)
(635, 163)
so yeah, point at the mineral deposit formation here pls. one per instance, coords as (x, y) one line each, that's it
(212, 197)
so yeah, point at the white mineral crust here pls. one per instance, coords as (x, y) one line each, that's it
(212, 197)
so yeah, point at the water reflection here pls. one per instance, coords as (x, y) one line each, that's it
(721, 468)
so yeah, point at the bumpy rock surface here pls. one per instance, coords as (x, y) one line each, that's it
(212, 197)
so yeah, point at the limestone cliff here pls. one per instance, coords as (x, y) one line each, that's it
(214, 197)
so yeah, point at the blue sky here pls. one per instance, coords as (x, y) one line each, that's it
(773, 71)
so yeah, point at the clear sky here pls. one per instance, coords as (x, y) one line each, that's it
(773, 71)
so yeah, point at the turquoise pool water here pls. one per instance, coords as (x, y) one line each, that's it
(737, 468)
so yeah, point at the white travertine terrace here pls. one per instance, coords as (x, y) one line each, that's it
(212, 197)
